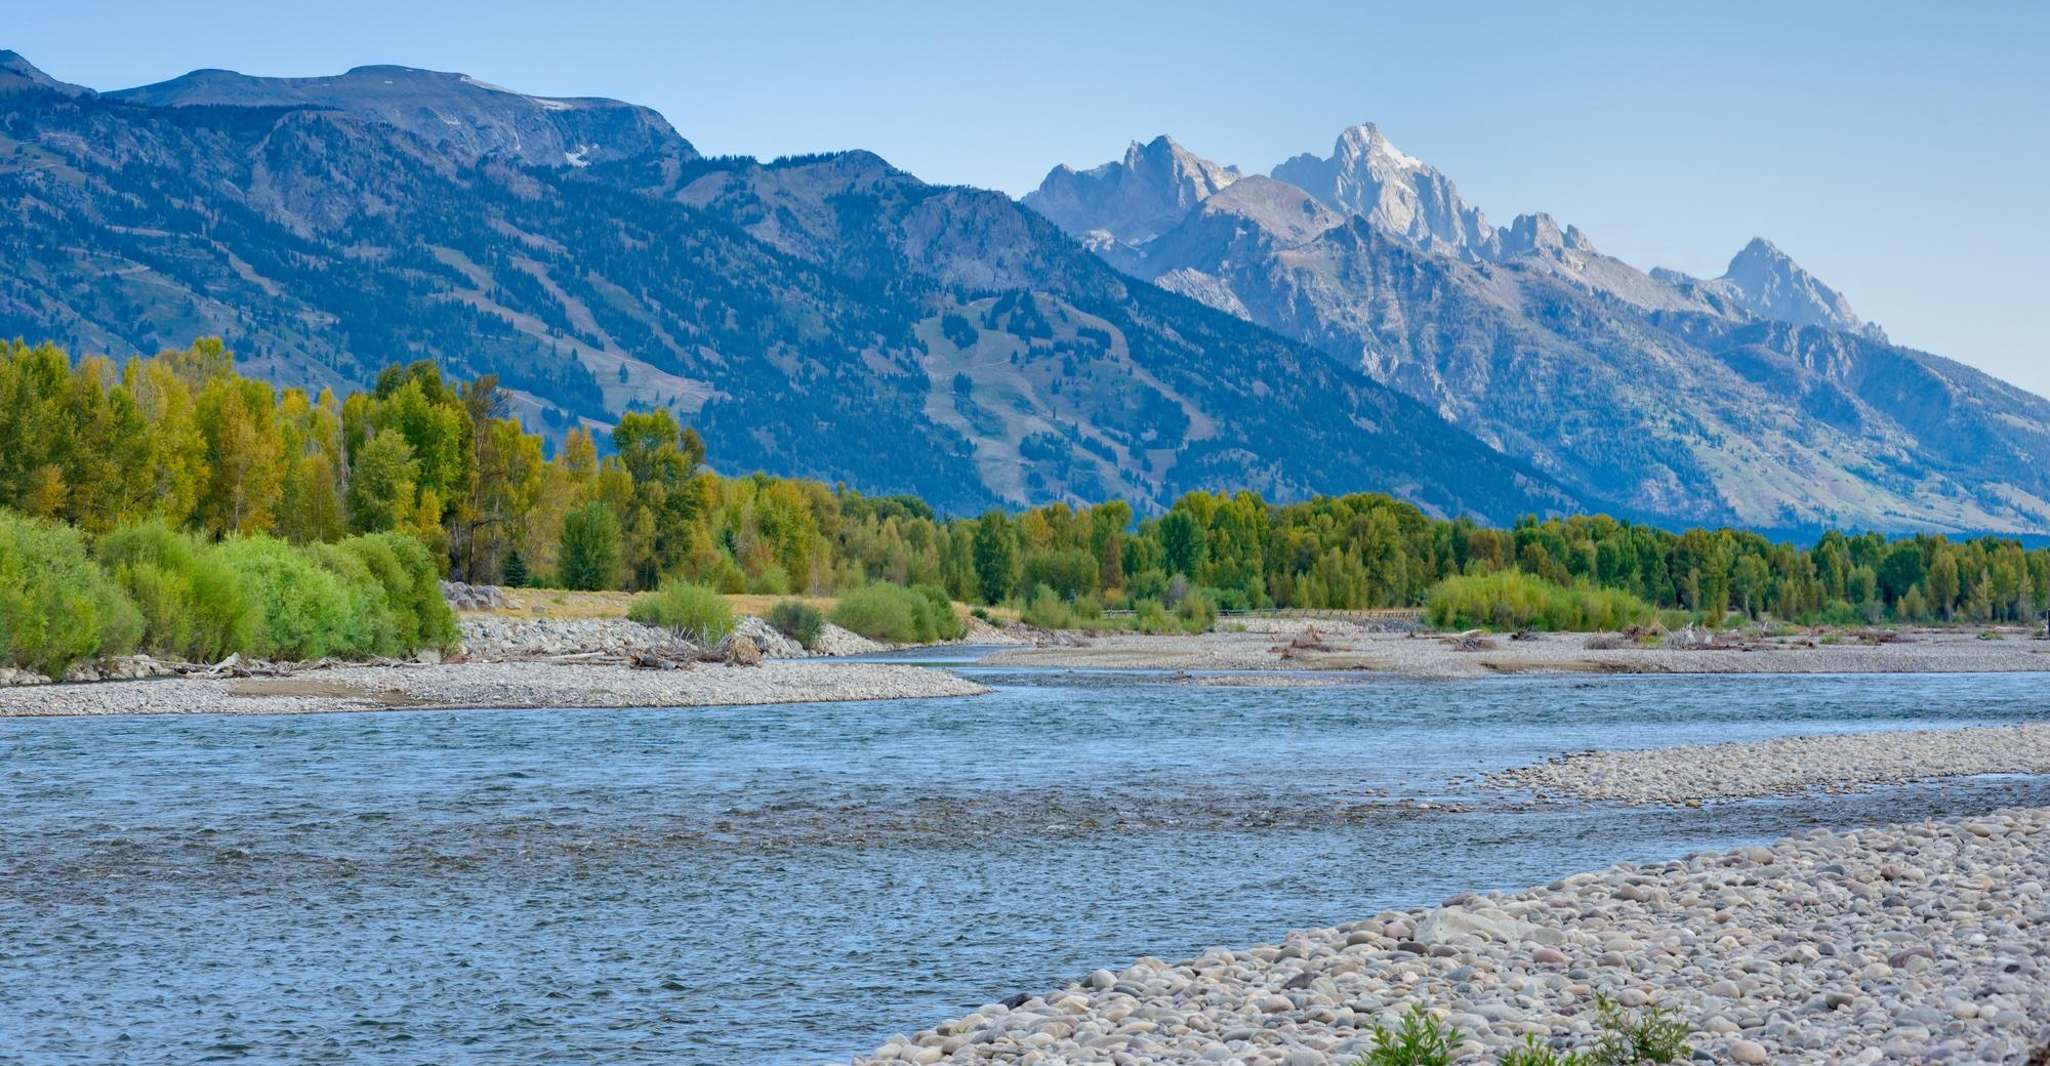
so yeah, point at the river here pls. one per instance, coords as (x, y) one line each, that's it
(792, 884)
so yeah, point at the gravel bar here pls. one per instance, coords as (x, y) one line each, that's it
(1830, 763)
(1263, 644)
(491, 684)
(1915, 943)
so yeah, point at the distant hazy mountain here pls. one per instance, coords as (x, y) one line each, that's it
(463, 118)
(1367, 176)
(1764, 281)
(1132, 201)
(828, 316)
(1757, 398)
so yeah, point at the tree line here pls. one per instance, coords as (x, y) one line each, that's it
(184, 439)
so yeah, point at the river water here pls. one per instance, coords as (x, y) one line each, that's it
(792, 884)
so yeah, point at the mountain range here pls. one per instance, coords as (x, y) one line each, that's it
(1152, 326)
(1757, 398)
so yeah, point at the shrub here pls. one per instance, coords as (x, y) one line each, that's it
(1150, 617)
(903, 616)
(299, 610)
(405, 570)
(798, 620)
(590, 548)
(1510, 600)
(695, 612)
(1656, 1036)
(1420, 1040)
(1197, 611)
(57, 607)
(772, 581)
(366, 624)
(881, 612)
(191, 604)
(941, 623)
(1047, 611)
(1533, 1053)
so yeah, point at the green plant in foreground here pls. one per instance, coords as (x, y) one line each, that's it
(1656, 1036)
(1420, 1040)
(1533, 1053)
(694, 612)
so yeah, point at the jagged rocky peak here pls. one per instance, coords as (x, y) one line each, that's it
(1539, 234)
(18, 76)
(466, 118)
(1764, 281)
(1367, 175)
(1134, 199)
(1281, 209)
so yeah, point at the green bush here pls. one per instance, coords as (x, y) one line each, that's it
(366, 624)
(772, 581)
(1512, 600)
(378, 594)
(407, 594)
(300, 610)
(192, 605)
(1420, 1040)
(1197, 611)
(798, 620)
(1656, 1036)
(695, 612)
(1148, 616)
(1047, 611)
(899, 615)
(1533, 1053)
(941, 623)
(57, 607)
(880, 612)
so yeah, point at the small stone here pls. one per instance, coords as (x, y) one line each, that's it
(1748, 1052)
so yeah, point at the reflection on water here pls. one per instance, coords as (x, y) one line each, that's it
(789, 884)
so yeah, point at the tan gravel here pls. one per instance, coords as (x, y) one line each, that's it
(1916, 943)
(1424, 655)
(491, 684)
(1830, 763)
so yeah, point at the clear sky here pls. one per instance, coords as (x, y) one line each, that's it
(1898, 150)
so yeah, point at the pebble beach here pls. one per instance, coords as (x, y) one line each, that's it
(1265, 644)
(1919, 943)
(1788, 766)
(511, 684)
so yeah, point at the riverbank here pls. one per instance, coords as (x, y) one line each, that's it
(1278, 644)
(491, 685)
(1921, 942)
(1830, 763)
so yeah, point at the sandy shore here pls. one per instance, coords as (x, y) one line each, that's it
(1912, 943)
(1788, 765)
(1260, 647)
(490, 684)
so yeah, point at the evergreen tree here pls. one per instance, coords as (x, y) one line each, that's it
(590, 548)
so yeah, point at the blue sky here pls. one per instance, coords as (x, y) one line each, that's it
(1900, 151)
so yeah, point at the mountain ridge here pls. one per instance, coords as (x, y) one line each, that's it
(827, 316)
(1624, 384)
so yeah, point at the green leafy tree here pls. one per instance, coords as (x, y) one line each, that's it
(996, 557)
(590, 548)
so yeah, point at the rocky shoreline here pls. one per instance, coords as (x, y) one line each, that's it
(1927, 942)
(1284, 644)
(491, 685)
(1829, 763)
